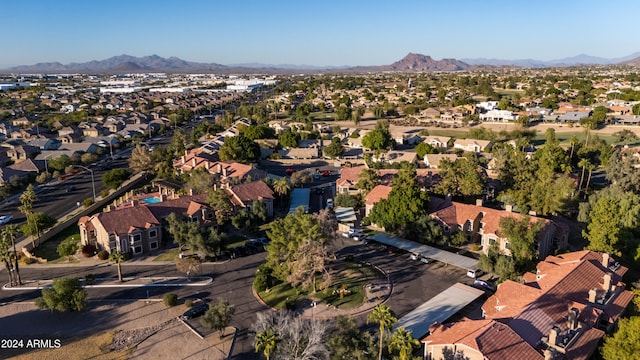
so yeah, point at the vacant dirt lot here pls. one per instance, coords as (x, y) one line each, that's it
(173, 341)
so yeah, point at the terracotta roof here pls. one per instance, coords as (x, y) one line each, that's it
(178, 206)
(377, 193)
(496, 341)
(509, 300)
(126, 220)
(245, 194)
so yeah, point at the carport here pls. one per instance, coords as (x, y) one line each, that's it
(426, 251)
(440, 308)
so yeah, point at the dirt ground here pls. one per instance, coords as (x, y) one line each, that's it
(173, 341)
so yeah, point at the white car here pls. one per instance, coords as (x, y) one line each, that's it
(4, 219)
(330, 203)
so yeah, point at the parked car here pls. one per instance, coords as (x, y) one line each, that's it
(196, 310)
(290, 171)
(330, 203)
(5, 219)
(262, 240)
(326, 173)
(474, 273)
(483, 285)
(70, 188)
(356, 234)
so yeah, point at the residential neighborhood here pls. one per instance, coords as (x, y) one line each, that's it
(482, 217)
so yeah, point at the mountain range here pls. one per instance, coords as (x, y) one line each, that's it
(410, 63)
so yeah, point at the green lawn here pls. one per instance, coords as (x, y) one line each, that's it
(233, 241)
(169, 255)
(349, 275)
(49, 250)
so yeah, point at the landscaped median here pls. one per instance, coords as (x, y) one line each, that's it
(126, 282)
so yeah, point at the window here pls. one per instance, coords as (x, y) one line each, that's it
(153, 233)
(507, 245)
(492, 241)
(137, 249)
(135, 238)
(153, 245)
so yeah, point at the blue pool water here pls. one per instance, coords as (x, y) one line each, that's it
(151, 200)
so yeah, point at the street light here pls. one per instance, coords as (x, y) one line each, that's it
(93, 184)
(46, 166)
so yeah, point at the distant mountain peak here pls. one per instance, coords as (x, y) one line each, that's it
(419, 62)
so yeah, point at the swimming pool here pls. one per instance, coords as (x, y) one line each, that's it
(151, 200)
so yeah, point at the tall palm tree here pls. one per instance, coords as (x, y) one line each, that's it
(10, 234)
(27, 199)
(573, 141)
(281, 187)
(5, 255)
(590, 167)
(266, 341)
(384, 316)
(583, 163)
(404, 343)
(117, 257)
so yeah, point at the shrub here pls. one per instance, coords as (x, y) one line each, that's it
(27, 260)
(104, 193)
(88, 250)
(188, 303)
(260, 283)
(103, 255)
(87, 202)
(90, 279)
(170, 299)
(475, 247)
(290, 304)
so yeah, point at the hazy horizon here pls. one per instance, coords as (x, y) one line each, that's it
(330, 33)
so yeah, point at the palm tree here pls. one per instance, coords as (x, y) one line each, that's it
(27, 199)
(590, 167)
(404, 343)
(10, 234)
(573, 141)
(5, 255)
(266, 341)
(117, 257)
(583, 163)
(281, 187)
(384, 316)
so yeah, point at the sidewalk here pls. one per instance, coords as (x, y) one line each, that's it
(114, 283)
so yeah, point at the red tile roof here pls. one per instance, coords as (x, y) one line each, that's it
(245, 194)
(126, 220)
(377, 193)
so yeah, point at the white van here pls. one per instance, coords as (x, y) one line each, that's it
(474, 273)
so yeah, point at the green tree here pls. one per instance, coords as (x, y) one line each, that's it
(289, 139)
(39, 222)
(117, 257)
(347, 200)
(403, 343)
(335, 149)
(461, 177)
(346, 341)
(402, 208)
(218, 316)
(281, 187)
(66, 294)
(27, 199)
(287, 235)
(259, 132)
(299, 178)
(612, 216)
(636, 109)
(623, 171)
(385, 318)
(240, 149)
(200, 181)
(59, 163)
(267, 341)
(68, 247)
(424, 148)
(379, 138)
(521, 234)
(9, 235)
(221, 205)
(7, 258)
(114, 178)
(624, 344)
(367, 180)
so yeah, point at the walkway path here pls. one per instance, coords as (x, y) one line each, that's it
(126, 282)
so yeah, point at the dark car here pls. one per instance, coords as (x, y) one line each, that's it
(195, 311)
(70, 188)
(290, 171)
(326, 173)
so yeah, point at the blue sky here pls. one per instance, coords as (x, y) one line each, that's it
(366, 32)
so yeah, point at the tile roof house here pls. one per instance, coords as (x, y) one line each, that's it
(438, 142)
(562, 312)
(376, 194)
(243, 195)
(135, 226)
(432, 161)
(472, 145)
(482, 224)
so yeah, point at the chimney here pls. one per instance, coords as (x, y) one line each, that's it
(592, 296)
(190, 191)
(572, 319)
(186, 152)
(193, 162)
(206, 164)
(224, 172)
(134, 202)
(480, 202)
(605, 260)
(219, 169)
(553, 336)
(509, 207)
(184, 159)
(448, 198)
(607, 281)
